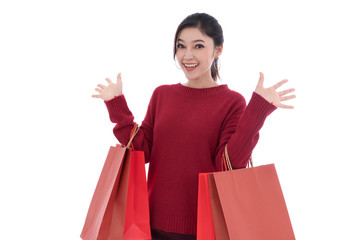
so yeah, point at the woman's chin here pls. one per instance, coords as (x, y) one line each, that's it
(191, 77)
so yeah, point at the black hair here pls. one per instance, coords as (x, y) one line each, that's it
(210, 27)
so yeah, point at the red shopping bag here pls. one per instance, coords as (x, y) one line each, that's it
(137, 223)
(119, 208)
(246, 204)
(205, 223)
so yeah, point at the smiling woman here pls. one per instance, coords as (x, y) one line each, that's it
(196, 54)
(187, 126)
(200, 32)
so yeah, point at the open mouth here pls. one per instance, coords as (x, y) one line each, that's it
(190, 66)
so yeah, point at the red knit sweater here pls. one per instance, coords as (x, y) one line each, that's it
(184, 133)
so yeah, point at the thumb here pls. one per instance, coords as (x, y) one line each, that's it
(261, 80)
(119, 79)
(118, 85)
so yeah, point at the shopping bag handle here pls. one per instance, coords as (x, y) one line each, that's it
(132, 135)
(226, 160)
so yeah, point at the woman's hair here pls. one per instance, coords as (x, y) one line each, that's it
(210, 27)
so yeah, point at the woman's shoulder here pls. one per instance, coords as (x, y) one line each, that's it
(163, 89)
(236, 96)
(166, 87)
(232, 99)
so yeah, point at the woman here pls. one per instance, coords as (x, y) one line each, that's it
(187, 126)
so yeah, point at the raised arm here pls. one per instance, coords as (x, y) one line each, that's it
(241, 130)
(120, 114)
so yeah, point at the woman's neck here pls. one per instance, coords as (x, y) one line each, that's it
(200, 84)
(205, 82)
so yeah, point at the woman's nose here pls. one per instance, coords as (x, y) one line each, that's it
(188, 55)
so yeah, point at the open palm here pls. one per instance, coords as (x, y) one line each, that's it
(109, 92)
(271, 94)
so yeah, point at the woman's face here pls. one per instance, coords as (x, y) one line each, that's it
(195, 54)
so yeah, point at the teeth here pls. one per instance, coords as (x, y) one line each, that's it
(191, 65)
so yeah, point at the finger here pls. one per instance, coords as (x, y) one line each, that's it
(287, 98)
(285, 106)
(98, 90)
(109, 81)
(277, 85)
(282, 93)
(101, 86)
(119, 79)
(261, 80)
(96, 95)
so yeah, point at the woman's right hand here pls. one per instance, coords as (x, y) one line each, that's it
(109, 92)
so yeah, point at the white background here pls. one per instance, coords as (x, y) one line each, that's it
(55, 137)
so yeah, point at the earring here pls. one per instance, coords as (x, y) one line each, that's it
(217, 63)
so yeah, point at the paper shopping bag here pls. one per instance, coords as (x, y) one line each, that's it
(99, 213)
(205, 223)
(247, 204)
(137, 222)
(119, 208)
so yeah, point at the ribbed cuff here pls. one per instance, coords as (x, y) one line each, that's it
(118, 109)
(115, 103)
(259, 106)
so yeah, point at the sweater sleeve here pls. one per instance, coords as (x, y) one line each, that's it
(241, 130)
(120, 114)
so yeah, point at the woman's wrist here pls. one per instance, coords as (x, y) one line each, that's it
(260, 106)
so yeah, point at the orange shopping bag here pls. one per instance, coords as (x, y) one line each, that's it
(246, 204)
(119, 208)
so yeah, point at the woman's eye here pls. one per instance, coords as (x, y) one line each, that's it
(180, 46)
(199, 46)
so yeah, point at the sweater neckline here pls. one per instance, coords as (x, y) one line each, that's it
(200, 92)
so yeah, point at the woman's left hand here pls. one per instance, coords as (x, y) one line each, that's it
(271, 94)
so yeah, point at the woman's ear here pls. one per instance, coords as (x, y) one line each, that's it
(218, 51)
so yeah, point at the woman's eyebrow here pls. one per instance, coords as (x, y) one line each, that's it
(197, 40)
